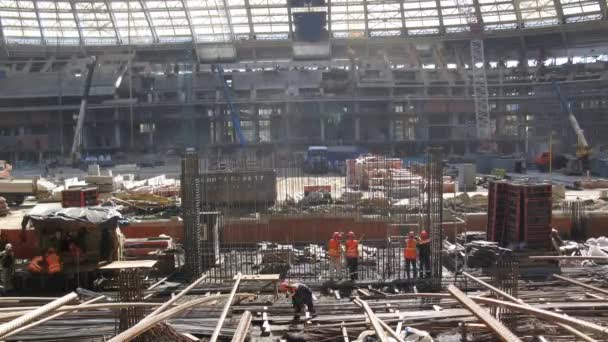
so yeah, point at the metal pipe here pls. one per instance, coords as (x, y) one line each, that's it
(80, 307)
(243, 328)
(517, 300)
(32, 315)
(149, 322)
(566, 257)
(46, 319)
(220, 322)
(501, 331)
(576, 282)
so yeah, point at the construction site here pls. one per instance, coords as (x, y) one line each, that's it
(304, 170)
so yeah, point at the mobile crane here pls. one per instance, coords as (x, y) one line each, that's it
(573, 165)
(77, 142)
(234, 114)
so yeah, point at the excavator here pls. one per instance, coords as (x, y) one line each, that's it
(572, 165)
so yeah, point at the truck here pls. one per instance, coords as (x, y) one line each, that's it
(5, 169)
(324, 159)
(16, 190)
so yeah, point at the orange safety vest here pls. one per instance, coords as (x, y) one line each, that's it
(334, 248)
(34, 265)
(54, 263)
(410, 249)
(352, 248)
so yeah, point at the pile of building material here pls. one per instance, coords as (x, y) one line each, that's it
(592, 183)
(160, 185)
(105, 184)
(361, 173)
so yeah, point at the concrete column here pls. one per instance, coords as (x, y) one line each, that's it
(391, 129)
(219, 130)
(357, 129)
(116, 128)
(61, 139)
(322, 121)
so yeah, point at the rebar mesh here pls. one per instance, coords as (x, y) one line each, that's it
(278, 213)
(191, 207)
(130, 290)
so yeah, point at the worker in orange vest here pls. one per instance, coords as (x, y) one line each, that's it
(53, 261)
(424, 253)
(409, 253)
(334, 250)
(36, 265)
(352, 256)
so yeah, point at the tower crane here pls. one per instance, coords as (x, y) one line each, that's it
(480, 79)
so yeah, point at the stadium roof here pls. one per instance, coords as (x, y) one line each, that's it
(149, 21)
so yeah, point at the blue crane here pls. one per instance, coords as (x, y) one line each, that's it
(234, 114)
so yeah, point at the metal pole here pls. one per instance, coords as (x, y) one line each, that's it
(220, 322)
(46, 319)
(32, 315)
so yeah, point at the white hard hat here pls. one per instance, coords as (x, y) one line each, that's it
(8, 247)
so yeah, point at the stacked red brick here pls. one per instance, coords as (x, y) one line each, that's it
(519, 213)
(80, 197)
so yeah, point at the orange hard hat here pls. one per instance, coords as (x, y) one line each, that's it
(424, 234)
(351, 234)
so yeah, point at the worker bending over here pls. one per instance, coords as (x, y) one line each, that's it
(334, 248)
(409, 253)
(7, 261)
(300, 295)
(424, 253)
(352, 256)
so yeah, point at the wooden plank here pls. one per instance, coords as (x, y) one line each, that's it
(581, 284)
(259, 277)
(501, 331)
(517, 300)
(344, 334)
(243, 328)
(380, 334)
(127, 264)
(220, 322)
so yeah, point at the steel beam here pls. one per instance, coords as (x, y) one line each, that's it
(499, 329)
(144, 8)
(113, 20)
(43, 39)
(78, 26)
